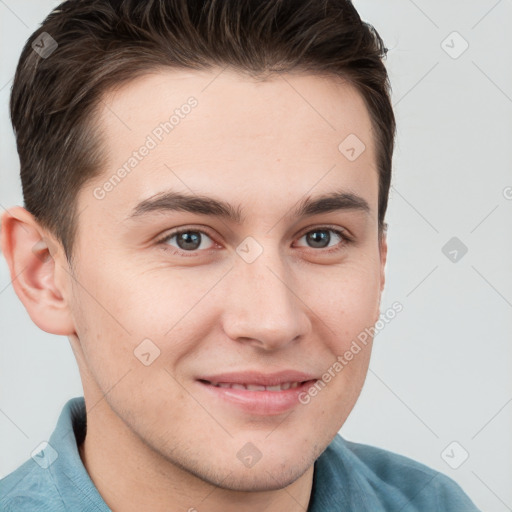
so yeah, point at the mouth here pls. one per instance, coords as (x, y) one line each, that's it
(257, 387)
(252, 397)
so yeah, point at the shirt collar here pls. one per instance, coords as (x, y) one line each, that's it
(67, 471)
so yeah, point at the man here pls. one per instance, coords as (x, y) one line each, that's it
(205, 189)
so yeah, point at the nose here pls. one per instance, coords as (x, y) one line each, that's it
(264, 308)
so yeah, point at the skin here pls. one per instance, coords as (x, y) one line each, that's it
(156, 440)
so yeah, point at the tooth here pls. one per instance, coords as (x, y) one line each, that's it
(255, 387)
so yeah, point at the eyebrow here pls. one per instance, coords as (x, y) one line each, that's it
(170, 201)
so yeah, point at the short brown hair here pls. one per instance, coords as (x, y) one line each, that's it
(102, 43)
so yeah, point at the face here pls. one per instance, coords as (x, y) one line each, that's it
(251, 291)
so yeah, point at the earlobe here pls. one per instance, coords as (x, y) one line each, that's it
(31, 257)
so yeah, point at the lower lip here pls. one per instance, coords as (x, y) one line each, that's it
(259, 402)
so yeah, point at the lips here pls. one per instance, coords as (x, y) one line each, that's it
(255, 378)
(255, 392)
(257, 387)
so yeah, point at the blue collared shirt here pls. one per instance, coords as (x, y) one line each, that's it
(348, 477)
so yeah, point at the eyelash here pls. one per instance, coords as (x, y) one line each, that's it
(345, 240)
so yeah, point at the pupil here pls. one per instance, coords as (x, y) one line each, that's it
(186, 241)
(325, 237)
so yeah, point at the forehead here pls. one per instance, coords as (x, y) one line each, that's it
(238, 105)
(234, 136)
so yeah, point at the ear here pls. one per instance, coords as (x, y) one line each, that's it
(34, 259)
(383, 253)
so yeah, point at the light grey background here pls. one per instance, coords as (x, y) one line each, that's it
(441, 370)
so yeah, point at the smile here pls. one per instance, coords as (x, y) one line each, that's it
(256, 399)
(257, 387)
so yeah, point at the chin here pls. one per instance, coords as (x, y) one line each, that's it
(263, 479)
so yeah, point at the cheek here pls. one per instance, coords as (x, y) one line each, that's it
(138, 301)
(123, 307)
(347, 301)
(112, 318)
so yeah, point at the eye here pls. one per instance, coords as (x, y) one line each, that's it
(187, 240)
(320, 238)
